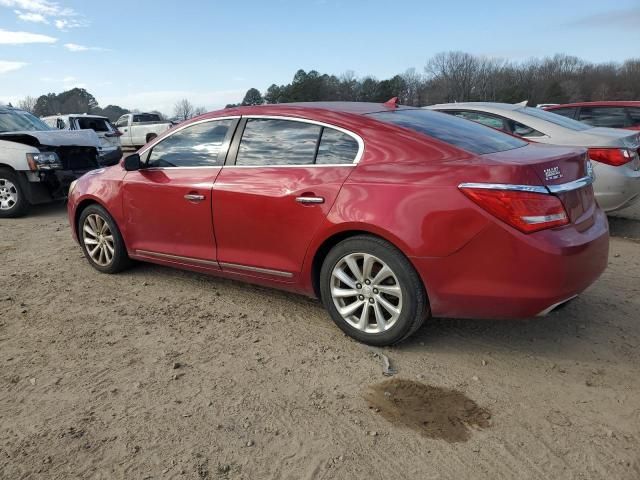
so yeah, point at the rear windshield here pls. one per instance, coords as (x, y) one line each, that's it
(146, 117)
(96, 124)
(465, 134)
(555, 118)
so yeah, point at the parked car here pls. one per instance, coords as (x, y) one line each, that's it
(140, 128)
(109, 151)
(387, 214)
(614, 152)
(37, 164)
(602, 114)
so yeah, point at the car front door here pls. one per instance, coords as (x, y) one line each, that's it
(167, 203)
(281, 179)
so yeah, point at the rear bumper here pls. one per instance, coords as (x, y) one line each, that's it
(616, 187)
(502, 273)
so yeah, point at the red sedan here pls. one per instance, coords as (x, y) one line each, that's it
(615, 114)
(388, 214)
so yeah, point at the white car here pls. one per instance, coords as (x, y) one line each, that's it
(109, 151)
(140, 128)
(37, 163)
(614, 152)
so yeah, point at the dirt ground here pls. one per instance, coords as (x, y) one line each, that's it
(157, 373)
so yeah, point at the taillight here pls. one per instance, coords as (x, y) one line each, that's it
(611, 156)
(527, 211)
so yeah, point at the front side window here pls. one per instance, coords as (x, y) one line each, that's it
(470, 136)
(198, 145)
(278, 142)
(612, 117)
(634, 115)
(122, 122)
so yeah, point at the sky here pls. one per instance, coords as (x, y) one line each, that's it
(149, 54)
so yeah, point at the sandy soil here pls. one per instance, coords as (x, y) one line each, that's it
(158, 373)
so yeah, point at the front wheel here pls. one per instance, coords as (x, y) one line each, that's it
(101, 240)
(372, 291)
(13, 201)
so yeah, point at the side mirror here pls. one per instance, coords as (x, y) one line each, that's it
(132, 163)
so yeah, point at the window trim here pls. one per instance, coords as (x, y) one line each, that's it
(145, 152)
(235, 145)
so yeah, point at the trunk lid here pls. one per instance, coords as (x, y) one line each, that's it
(563, 171)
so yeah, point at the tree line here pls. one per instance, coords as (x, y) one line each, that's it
(447, 77)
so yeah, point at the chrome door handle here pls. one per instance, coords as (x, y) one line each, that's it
(308, 200)
(194, 197)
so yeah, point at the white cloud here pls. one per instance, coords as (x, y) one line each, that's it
(18, 38)
(74, 47)
(43, 10)
(31, 17)
(165, 100)
(7, 66)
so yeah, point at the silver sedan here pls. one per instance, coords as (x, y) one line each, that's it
(614, 152)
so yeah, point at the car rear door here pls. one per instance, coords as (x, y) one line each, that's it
(281, 178)
(167, 204)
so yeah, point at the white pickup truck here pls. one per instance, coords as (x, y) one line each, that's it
(140, 128)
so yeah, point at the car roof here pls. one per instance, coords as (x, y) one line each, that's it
(356, 108)
(609, 103)
(477, 105)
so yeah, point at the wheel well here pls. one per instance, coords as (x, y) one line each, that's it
(8, 167)
(81, 206)
(324, 249)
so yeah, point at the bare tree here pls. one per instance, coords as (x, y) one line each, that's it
(183, 110)
(201, 110)
(28, 104)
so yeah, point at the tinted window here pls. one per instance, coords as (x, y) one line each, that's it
(569, 112)
(469, 136)
(336, 147)
(613, 117)
(97, 124)
(523, 130)
(488, 120)
(634, 114)
(146, 117)
(278, 142)
(554, 118)
(194, 146)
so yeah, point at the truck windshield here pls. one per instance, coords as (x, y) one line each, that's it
(19, 121)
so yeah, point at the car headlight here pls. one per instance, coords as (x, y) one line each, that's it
(44, 161)
(72, 187)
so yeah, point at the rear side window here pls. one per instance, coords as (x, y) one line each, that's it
(613, 117)
(146, 117)
(463, 134)
(278, 142)
(634, 115)
(523, 130)
(198, 145)
(96, 124)
(554, 118)
(336, 148)
(569, 112)
(488, 120)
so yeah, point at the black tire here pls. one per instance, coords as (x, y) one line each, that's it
(414, 307)
(10, 187)
(120, 259)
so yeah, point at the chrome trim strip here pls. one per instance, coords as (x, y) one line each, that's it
(181, 127)
(168, 256)
(355, 136)
(506, 186)
(247, 268)
(567, 187)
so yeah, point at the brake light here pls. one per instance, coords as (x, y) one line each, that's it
(611, 156)
(527, 211)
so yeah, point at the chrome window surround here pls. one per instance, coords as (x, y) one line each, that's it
(355, 136)
(564, 187)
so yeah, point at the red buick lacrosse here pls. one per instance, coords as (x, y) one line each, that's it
(387, 214)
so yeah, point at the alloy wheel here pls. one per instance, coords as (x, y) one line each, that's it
(8, 194)
(98, 239)
(366, 292)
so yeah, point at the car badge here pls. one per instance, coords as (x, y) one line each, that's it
(552, 173)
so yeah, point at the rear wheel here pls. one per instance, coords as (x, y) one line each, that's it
(13, 201)
(372, 291)
(101, 240)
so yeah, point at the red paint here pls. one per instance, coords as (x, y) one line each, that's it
(405, 189)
